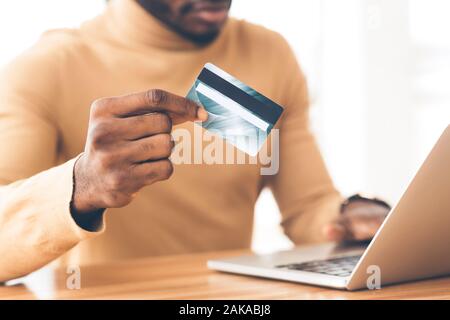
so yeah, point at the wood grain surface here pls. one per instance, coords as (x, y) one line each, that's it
(187, 277)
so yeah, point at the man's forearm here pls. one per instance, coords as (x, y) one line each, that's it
(36, 225)
(307, 226)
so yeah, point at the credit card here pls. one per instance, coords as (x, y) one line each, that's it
(237, 113)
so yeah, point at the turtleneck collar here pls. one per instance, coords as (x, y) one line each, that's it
(130, 22)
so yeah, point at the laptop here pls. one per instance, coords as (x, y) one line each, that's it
(413, 242)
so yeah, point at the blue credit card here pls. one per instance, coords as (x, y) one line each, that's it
(237, 113)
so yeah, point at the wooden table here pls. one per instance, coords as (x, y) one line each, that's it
(186, 277)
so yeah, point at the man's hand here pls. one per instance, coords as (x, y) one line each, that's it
(127, 147)
(359, 221)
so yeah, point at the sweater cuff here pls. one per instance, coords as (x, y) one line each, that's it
(307, 227)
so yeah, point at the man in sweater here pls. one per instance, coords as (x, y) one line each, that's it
(85, 122)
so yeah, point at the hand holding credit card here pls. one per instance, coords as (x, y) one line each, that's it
(237, 113)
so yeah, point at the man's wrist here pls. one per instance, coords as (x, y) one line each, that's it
(86, 216)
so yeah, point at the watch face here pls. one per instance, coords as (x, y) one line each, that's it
(357, 201)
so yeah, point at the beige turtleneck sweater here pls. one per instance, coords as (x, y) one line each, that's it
(45, 96)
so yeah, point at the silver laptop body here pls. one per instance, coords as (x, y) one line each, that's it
(413, 242)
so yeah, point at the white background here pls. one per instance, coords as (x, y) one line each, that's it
(378, 70)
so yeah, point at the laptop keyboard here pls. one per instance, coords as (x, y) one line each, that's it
(341, 266)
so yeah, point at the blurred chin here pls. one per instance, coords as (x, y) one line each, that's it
(201, 31)
(202, 38)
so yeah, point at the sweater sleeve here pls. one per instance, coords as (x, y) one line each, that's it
(302, 187)
(36, 225)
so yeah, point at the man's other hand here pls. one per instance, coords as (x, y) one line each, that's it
(127, 147)
(359, 221)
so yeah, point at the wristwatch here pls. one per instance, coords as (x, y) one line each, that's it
(360, 198)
